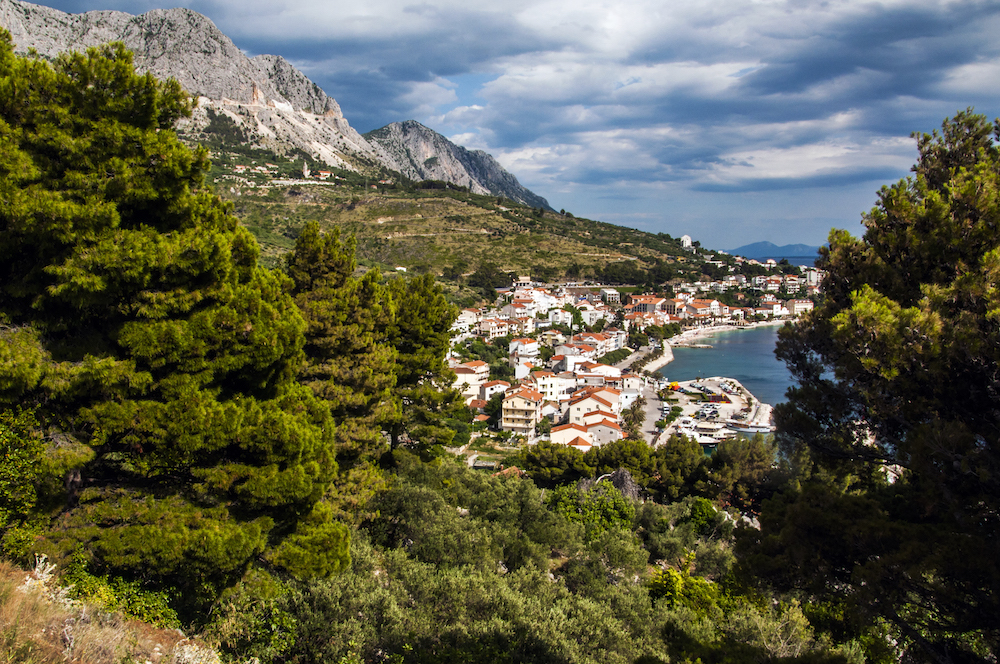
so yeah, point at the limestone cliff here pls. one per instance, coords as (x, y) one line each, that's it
(275, 104)
(424, 154)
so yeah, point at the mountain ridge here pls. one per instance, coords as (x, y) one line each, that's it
(277, 106)
(767, 249)
(424, 154)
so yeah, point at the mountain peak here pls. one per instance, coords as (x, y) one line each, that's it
(423, 154)
(171, 43)
(275, 104)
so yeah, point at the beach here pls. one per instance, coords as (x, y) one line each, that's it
(662, 360)
(692, 336)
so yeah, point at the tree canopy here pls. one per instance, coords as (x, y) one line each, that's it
(350, 360)
(895, 421)
(135, 319)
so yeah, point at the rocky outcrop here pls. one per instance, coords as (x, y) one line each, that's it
(170, 43)
(275, 104)
(424, 154)
(294, 86)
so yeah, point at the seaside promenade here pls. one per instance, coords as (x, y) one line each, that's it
(743, 408)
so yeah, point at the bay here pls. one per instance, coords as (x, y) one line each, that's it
(746, 355)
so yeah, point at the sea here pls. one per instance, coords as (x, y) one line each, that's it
(746, 355)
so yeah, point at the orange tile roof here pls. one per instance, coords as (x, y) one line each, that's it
(525, 393)
(564, 427)
(496, 382)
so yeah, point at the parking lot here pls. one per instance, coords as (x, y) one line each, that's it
(694, 398)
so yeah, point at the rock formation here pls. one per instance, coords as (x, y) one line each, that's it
(424, 154)
(275, 104)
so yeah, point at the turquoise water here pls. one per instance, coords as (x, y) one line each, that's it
(746, 355)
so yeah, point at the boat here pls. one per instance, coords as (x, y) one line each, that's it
(751, 428)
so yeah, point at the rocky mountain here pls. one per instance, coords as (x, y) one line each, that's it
(424, 154)
(275, 104)
(174, 43)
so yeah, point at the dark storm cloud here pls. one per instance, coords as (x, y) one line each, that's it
(912, 46)
(586, 99)
(855, 176)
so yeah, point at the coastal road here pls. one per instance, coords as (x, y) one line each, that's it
(653, 413)
(624, 364)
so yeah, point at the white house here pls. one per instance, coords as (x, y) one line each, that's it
(600, 369)
(797, 307)
(491, 328)
(604, 432)
(524, 347)
(470, 376)
(554, 386)
(467, 320)
(564, 434)
(487, 390)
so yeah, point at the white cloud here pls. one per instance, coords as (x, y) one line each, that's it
(812, 160)
(425, 97)
(470, 141)
(650, 99)
(464, 115)
(972, 79)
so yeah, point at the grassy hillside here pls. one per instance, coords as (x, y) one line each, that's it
(426, 227)
(432, 230)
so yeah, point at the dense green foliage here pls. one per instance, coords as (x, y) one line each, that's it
(741, 473)
(136, 320)
(350, 359)
(456, 566)
(420, 333)
(615, 356)
(895, 423)
(171, 414)
(22, 467)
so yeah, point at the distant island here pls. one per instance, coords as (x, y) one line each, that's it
(763, 250)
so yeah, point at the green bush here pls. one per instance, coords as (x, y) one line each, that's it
(116, 595)
(599, 508)
(21, 463)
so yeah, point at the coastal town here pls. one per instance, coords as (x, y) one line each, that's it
(576, 364)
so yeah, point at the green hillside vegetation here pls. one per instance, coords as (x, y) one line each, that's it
(256, 451)
(426, 226)
(451, 232)
(430, 226)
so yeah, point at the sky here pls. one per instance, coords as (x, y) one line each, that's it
(732, 121)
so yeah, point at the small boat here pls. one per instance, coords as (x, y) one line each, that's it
(743, 427)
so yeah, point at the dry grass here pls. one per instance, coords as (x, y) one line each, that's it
(36, 629)
(434, 232)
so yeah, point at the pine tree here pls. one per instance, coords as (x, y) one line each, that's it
(350, 362)
(424, 394)
(895, 421)
(135, 316)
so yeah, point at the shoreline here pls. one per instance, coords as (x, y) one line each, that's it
(687, 338)
(756, 414)
(663, 360)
